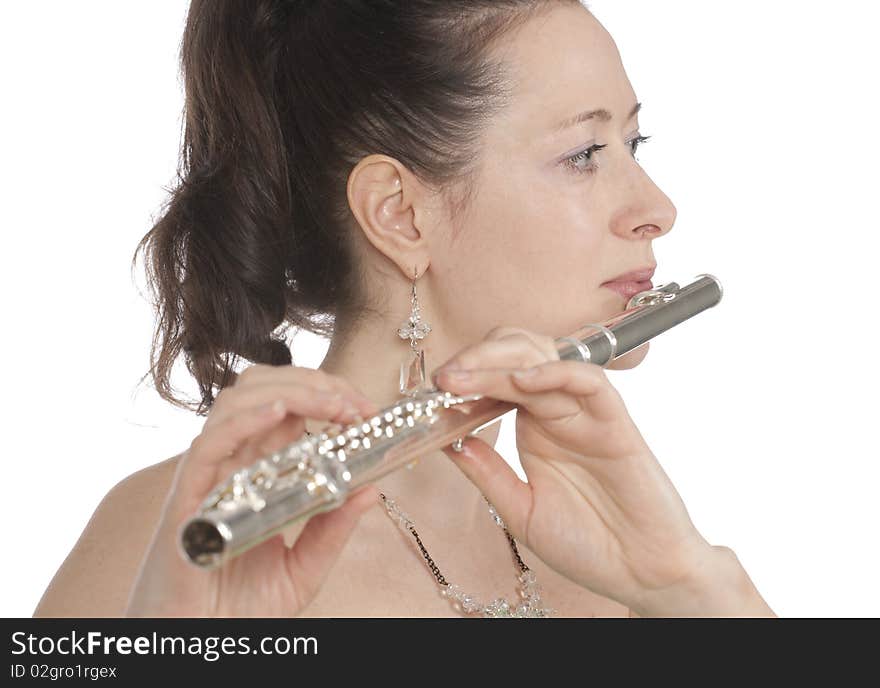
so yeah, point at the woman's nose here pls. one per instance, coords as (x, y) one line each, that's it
(646, 212)
(646, 230)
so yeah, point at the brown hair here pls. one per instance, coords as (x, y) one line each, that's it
(282, 100)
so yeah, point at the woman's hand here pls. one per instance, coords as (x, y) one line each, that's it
(597, 507)
(262, 412)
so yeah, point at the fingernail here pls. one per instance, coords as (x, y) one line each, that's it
(528, 372)
(458, 374)
(272, 408)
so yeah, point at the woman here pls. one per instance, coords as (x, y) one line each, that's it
(349, 165)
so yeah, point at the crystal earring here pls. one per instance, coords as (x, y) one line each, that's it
(412, 369)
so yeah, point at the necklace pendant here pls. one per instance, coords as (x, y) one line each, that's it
(500, 608)
(529, 591)
(497, 608)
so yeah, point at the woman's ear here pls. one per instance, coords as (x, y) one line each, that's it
(388, 203)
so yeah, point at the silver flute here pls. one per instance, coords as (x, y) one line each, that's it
(316, 473)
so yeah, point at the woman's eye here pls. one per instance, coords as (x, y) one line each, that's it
(583, 163)
(636, 141)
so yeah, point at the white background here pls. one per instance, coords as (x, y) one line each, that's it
(762, 410)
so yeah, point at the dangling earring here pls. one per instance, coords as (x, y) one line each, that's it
(412, 369)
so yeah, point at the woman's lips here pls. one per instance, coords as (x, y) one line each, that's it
(629, 289)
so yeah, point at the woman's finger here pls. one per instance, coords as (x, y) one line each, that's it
(213, 447)
(586, 381)
(221, 440)
(290, 429)
(499, 383)
(314, 378)
(499, 483)
(307, 401)
(504, 347)
(322, 540)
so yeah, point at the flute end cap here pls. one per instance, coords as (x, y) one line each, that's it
(203, 543)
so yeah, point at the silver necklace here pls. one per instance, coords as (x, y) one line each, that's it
(528, 589)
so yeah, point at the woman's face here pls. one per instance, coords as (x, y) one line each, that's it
(545, 229)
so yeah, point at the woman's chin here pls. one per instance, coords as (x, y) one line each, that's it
(630, 359)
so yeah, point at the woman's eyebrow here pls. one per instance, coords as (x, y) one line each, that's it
(601, 114)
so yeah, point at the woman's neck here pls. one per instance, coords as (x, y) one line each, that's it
(434, 490)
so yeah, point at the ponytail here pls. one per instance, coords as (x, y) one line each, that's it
(282, 99)
(219, 254)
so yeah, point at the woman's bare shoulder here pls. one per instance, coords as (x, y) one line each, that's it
(95, 578)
